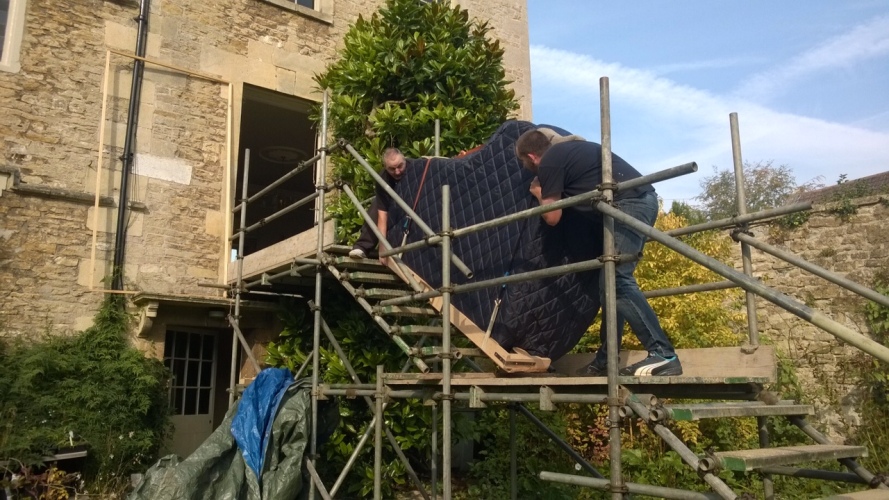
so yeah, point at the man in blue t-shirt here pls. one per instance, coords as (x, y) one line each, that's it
(394, 166)
(574, 167)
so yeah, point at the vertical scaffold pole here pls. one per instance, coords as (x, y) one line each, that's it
(233, 378)
(610, 305)
(746, 259)
(752, 327)
(446, 339)
(378, 436)
(320, 186)
(433, 472)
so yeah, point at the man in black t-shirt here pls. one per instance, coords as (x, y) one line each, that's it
(394, 165)
(574, 167)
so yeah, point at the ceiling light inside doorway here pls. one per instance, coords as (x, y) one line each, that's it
(282, 154)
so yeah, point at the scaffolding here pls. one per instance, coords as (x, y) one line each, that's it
(625, 397)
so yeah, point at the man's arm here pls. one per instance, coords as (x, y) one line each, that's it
(551, 218)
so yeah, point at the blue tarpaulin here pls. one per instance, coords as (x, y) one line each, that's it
(252, 425)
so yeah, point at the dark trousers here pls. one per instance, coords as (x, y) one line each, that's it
(367, 239)
(632, 306)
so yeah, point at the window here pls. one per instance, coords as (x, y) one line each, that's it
(12, 24)
(322, 10)
(190, 358)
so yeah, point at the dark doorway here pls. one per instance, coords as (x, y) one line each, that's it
(275, 127)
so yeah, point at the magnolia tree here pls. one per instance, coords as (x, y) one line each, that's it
(408, 65)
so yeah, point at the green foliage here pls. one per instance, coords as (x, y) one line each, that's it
(366, 347)
(90, 389)
(690, 213)
(489, 474)
(793, 221)
(874, 376)
(765, 186)
(408, 65)
(845, 196)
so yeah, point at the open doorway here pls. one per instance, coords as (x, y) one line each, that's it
(196, 361)
(276, 128)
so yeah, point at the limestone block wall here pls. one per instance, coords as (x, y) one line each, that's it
(856, 248)
(42, 242)
(509, 23)
(50, 113)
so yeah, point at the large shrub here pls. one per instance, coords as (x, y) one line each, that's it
(90, 389)
(408, 65)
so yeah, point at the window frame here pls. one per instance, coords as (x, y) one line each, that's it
(10, 59)
(323, 10)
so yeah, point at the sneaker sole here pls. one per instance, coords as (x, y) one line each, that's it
(670, 372)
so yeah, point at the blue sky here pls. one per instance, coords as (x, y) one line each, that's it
(809, 81)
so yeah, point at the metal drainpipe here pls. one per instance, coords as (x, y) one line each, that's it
(129, 145)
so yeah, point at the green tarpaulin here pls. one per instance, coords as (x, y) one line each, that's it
(217, 470)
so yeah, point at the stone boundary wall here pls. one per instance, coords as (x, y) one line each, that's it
(856, 247)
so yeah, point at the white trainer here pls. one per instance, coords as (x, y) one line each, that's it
(357, 253)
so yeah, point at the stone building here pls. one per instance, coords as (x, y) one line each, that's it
(219, 77)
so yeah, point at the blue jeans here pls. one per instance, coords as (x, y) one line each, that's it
(632, 307)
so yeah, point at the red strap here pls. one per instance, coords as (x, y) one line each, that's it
(469, 151)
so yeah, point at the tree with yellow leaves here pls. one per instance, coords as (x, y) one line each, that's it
(705, 319)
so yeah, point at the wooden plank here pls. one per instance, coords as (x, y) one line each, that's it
(713, 362)
(408, 311)
(721, 410)
(368, 277)
(279, 256)
(554, 379)
(361, 264)
(747, 460)
(384, 293)
(507, 361)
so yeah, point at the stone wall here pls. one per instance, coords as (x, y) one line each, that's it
(857, 248)
(50, 126)
(42, 242)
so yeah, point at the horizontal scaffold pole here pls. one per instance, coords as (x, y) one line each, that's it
(590, 197)
(741, 219)
(284, 211)
(284, 178)
(681, 290)
(577, 267)
(753, 285)
(635, 488)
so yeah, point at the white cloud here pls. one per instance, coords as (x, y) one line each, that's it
(674, 123)
(866, 41)
(706, 64)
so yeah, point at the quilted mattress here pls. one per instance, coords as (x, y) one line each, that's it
(545, 317)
